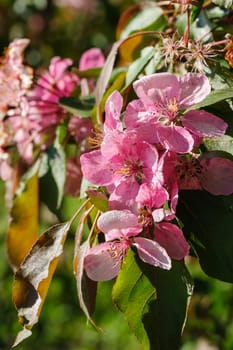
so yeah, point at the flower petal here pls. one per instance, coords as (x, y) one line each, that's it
(203, 123)
(170, 237)
(194, 88)
(95, 169)
(113, 108)
(152, 253)
(175, 138)
(119, 223)
(92, 58)
(103, 262)
(157, 88)
(217, 176)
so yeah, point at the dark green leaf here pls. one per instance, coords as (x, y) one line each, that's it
(53, 177)
(208, 224)
(77, 106)
(154, 301)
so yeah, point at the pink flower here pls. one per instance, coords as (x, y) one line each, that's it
(44, 111)
(214, 175)
(122, 164)
(15, 77)
(92, 58)
(103, 261)
(162, 98)
(155, 217)
(73, 177)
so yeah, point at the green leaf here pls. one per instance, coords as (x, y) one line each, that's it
(80, 107)
(223, 143)
(87, 73)
(208, 224)
(200, 29)
(53, 179)
(132, 293)
(150, 17)
(214, 97)
(153, 301)
(137, 66)
(174, 289)
(223, 3)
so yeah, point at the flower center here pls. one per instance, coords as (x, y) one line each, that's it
(189, 173)
(134, 169)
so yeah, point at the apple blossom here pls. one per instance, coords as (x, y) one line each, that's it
(121, 228)
(162, 99)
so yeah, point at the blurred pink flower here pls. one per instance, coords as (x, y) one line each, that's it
(85, 5)
(73, 177)
(214, 175)
(15, 77)
(92, 58)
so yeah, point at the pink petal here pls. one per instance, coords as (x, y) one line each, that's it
(170, 237)
(152, 253)
(124, 195)
(194, 88)
(157, 88)
(149, 157)
(135, 114)
(92, 58)
(103, 262)
(152, 195)
(175, 138)
(95, 169)
(217, 176)
(58, 66)
(203, 123)
(113, 108)
(119, 223)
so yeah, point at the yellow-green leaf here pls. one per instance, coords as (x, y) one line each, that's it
(23, 227)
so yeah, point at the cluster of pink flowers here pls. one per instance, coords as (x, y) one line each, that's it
(147, 154)
(30, 110)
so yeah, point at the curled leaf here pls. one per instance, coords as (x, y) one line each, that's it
(33, 277)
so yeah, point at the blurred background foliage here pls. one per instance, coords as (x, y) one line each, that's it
(66, 28)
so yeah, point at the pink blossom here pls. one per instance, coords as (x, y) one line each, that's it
(45, 112)
(92, 58)
(214, 175)
(155, 217)
(122, 164)
(103, 261)
(15, 77)
(73, 177)
(162, 99)
(80, 128)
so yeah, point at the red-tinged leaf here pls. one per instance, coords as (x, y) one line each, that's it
(85, 286)
(23, 227)
(106, 72)
(33, 277)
